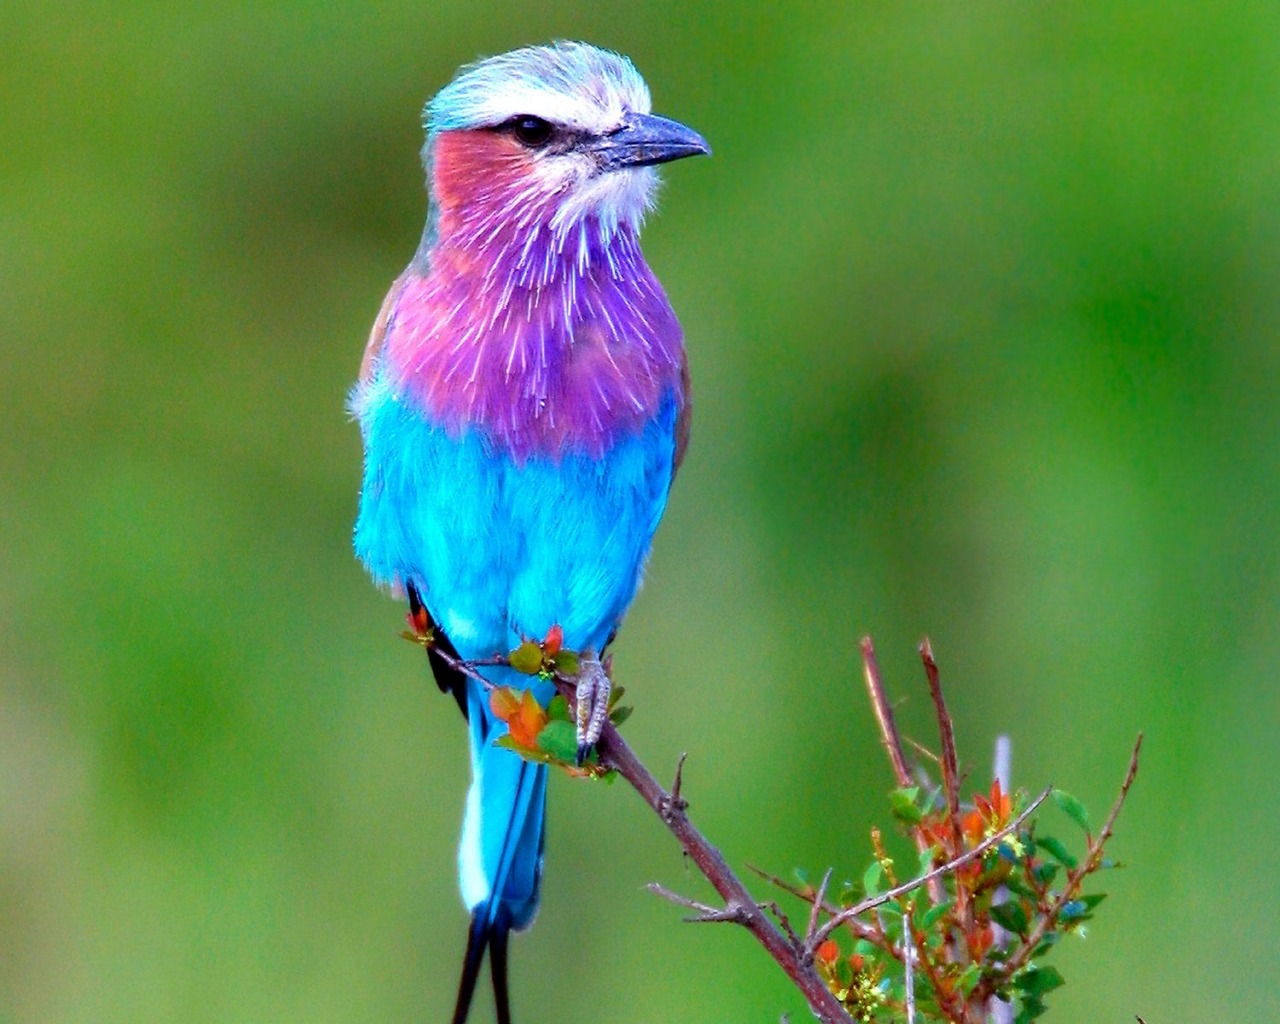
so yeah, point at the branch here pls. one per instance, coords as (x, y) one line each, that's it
(740, 907)
(1086, 867)
(794, 953)
(739, 903)
(859, 930)
(893, 744)
(950, 773)
(884, 713)
(615, 752)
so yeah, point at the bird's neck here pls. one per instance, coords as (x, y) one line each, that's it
(548, 340)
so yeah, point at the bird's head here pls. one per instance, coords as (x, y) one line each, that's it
(547, 137)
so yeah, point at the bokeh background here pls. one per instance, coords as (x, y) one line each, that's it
(983, 304)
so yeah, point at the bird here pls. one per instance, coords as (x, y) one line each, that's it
(524, 405)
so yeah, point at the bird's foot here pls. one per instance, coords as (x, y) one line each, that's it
(592, 700)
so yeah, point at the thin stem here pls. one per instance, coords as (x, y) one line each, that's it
(1087, 866)
(942, 869)
(892, 742)
(950, 775)
(909, 968)
(884, 713)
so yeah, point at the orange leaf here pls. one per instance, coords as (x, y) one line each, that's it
(827, 952)
(1001, 802)
(528, 721)
(554, 641)
(504, 702)
(979, 941)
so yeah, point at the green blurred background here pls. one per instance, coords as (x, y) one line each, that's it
(982, 302)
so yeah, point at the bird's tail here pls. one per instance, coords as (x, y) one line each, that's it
(500, 858)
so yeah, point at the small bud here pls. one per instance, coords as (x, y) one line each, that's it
(554, 641)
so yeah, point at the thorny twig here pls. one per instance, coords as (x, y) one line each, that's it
(1088, 865)
(793, 954)
(616, 753)
(950, 772)
(892, 741)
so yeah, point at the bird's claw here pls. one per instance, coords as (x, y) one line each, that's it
(592, 700)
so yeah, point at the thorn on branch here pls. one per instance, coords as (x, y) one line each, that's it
(784, 923)
(705, 911)
(673, 803)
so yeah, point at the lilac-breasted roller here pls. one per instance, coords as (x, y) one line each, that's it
(524, 401)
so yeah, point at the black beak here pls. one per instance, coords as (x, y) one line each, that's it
(647, 139)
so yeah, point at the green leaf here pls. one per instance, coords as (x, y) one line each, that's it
(560, 740)
(1046, 872)
(558, 709)
(566, 663)
(968, 979)
(1093, 900)
(1073, 808)
(506, 742)
(1036, 981)
(1058, 851)
(1016, 884)
(1047, 943)
(927, 858)
(1011, 917)
(527, 658)
(1032, 1008)
(931, 916)
(619, 715)
(903, 803)
(615, 695)
(871, 878)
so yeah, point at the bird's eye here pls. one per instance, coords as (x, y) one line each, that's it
(531, 131)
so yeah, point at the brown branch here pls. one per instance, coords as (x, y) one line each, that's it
(1086, 867)
(740, 908)
(784, 922)
(950, 775)
(792, 953)
(884, 713)
(810, 933)
(615, 752)
(859, 930)
(892, 742)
